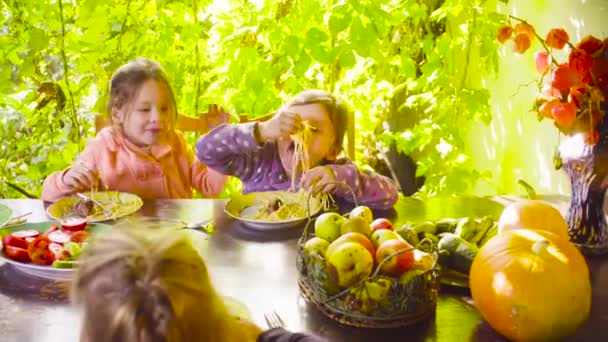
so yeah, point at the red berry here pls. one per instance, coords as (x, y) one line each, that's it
(504, 33)
(521, 43)
(541, 60)
(557, 38)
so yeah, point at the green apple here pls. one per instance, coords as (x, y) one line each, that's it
(379, 236)
(327, 226)
(364, 212)
(316, 245)
(372, 294)
(357, 225)
(349, 263)
(353, 237)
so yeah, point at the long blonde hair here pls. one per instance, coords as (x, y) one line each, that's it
(150, 286)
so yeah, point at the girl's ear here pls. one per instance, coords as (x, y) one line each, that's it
(117, 115)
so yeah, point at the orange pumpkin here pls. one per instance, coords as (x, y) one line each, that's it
(533, 214)
(531, 285)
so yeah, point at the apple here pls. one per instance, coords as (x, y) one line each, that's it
(362, 211)
(379, 236)
(357, 225)
(353, 237)
(381, 223)
(316, 245)
(396, 264)
(349, 263)
(327, 226)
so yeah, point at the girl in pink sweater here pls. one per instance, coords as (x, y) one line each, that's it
(141, 152)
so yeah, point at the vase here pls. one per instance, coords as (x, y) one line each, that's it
(587, 168)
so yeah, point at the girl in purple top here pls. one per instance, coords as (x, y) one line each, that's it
(261, 153)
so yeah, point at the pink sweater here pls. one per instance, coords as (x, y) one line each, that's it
(169, 170)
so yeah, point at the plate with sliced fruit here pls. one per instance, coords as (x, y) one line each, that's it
(47, 249)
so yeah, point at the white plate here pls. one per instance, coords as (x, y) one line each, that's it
(5, 214)
(249, 204)
(42, 271)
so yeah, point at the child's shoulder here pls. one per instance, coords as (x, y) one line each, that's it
(108, 139)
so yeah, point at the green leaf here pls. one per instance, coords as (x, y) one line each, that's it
(302, 64)
(314, 35)
(38, 39)
(408, 67)
(347, 57)
(339, 20)
(361, 37)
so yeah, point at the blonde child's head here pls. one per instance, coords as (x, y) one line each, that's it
(334, 108)
(150, 286)
(327, 118)
(141, 102)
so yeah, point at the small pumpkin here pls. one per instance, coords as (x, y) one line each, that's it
(531, 285)
(533, 214)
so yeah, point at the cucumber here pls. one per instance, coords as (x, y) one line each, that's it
(467, 228)
(492, 232)
(483, 225)
(445, 225)
(425, 227)
(409, 234)
(456, 253)
(65, 264)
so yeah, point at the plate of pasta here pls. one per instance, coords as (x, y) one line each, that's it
(97, 206)
(274, 209)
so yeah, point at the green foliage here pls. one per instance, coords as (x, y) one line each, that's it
(419, 59)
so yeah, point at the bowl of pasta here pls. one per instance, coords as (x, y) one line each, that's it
(274, 209)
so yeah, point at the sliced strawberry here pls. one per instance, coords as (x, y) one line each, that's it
(50, 230)
(60, 236)
(80, 236)
(25, 233)
(11, 240)
(16, 253)
(58, 251)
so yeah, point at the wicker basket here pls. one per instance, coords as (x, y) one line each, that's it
(403, 303)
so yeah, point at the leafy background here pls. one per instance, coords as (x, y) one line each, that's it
(418, 74)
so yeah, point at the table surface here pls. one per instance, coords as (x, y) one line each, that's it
(259, 270)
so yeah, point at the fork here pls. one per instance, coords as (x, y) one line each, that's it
(273, 320)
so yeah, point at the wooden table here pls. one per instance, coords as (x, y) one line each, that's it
(259, 270)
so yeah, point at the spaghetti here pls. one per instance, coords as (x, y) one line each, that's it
(293, 205)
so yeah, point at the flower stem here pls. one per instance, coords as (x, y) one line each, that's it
(540, 39)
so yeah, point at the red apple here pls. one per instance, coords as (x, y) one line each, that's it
(352, 237)
(379, 236)
(381, 223)
(398, 263)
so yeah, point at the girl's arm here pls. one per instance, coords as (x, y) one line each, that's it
(231, 150)
(371, 189)
(208, 182)
(54, 186)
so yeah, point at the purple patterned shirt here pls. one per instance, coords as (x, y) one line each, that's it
(233, 150)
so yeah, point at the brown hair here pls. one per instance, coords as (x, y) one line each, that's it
(336, 109)
(127, 80)
(150, 286)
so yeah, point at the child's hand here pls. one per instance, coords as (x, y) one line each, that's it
(281, 125)
(319, 179)
(80, 176)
